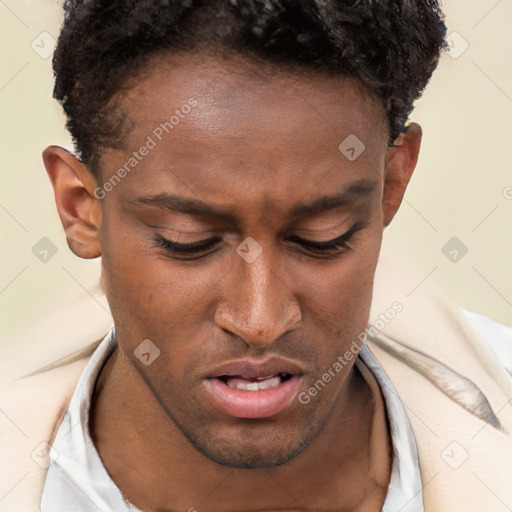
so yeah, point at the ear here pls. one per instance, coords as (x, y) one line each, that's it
(79, 210)
(400, 163)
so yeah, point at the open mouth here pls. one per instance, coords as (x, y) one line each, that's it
(254, 388)
(253, 397)
(255, 383)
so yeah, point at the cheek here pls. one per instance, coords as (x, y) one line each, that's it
(136, 285)
(340, 293)
(149, 288)
(138, 278)
(358, 277)
(150, 302)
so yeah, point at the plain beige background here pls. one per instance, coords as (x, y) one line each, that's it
(462, 187)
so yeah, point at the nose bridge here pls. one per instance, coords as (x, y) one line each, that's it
(260, 306)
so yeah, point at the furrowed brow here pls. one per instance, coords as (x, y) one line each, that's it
(194, 207)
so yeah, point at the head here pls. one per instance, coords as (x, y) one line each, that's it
(219, 145)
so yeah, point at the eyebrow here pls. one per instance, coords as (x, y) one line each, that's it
(355, 190)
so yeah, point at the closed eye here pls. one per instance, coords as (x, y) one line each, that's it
(325, 247)
(190, 248)
(328, 246)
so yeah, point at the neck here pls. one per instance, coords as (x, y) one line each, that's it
(348, 463)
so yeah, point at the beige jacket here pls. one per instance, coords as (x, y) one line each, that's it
(456, 394)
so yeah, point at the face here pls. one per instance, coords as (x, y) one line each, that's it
(216, 247)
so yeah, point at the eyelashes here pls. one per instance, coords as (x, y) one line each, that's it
(189, 248)
(328, 247)
(336, 244)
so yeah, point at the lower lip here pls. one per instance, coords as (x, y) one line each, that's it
(253, 404)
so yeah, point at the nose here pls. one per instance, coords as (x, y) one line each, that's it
(258, 305)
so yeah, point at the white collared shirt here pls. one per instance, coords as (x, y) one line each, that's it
(78, 481)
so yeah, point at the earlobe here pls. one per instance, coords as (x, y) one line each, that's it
(79, 210)
(400, 164)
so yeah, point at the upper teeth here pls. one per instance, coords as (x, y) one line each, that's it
(262, 383)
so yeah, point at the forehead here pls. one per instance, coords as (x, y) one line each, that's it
(235, 93)
(226, 125)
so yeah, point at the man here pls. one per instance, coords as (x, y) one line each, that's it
(236, 165)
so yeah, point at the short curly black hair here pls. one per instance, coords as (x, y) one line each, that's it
(390, 46)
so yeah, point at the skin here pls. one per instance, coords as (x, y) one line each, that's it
(256, 144)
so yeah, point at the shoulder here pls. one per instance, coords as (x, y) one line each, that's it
(449, 373)
(31, 410)
(496, 335)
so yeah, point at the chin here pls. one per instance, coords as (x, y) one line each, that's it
(250, 456)
(247, 447)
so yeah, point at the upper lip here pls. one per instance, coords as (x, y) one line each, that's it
(256, 368)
